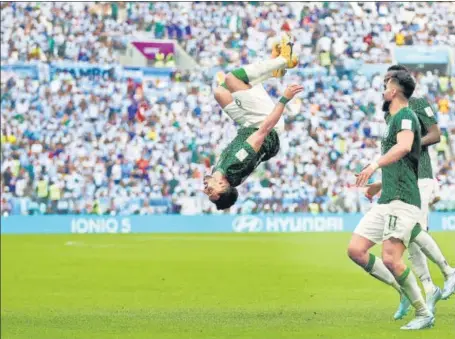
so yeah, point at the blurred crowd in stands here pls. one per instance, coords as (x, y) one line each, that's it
(118, 145)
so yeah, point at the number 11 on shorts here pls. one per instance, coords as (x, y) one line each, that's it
(392, 222)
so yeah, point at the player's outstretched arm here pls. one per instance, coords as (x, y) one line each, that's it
(403, 146)
(257, 138)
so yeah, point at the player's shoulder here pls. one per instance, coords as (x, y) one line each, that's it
(420, 105)
(417, 101)
(422, 109)
(406, 113)
(407, 119)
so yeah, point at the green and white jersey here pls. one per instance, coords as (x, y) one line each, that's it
(425, 114)
(399, 180)
(238, 160)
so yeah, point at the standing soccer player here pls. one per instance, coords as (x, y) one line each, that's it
(393, 220)
(428, 187)
(246, 101)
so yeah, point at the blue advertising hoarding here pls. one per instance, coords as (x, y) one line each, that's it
(422, 54)
(286, 223)
(22, 69)
(79, 69)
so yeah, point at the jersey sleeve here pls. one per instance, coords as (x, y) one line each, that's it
(406, 120)
(425, 112)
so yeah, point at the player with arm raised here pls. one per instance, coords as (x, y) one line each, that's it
(425, 246)
(393, 220)
(246, 101)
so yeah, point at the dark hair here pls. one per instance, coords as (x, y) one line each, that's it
(405, 80)
(398, 68)
(227, 198)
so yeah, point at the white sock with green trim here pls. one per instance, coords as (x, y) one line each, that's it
(408, 283)
(264, 68)
(260, 79)
(377, 269)
(433, 252)
(420, 268)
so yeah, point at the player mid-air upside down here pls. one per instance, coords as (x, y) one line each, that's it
(245, 100)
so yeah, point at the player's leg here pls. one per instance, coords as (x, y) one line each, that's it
(238, 78)
(417, 257)
(250, 75)
(245, 77)
(249, 103)
(401, 218)
(242, 108)
(420, 267)
(431, 249)
(366, 235)
(429, 191)
(223, 96)
(358, 252)
(392, 255)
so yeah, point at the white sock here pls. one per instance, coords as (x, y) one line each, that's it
(260, 80)
(420, 267)
(410, 288)
(433, 252)
(377, 269)
(263, 68)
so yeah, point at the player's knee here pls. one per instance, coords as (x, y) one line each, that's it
(218, 93)
(390, 262)
(233, 83)
(356, 252)
(222, 96)
(230, 80)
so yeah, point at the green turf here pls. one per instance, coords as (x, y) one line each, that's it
(199, 286)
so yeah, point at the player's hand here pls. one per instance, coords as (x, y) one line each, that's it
(372, 190)
(362, 177)
(292, 90)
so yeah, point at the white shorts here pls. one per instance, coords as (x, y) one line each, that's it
(250, 107)
(393, 220)
(429, 190)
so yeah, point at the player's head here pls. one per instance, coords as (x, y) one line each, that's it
(392, 69)
(220, 192)
(398, 68)
(399, 86)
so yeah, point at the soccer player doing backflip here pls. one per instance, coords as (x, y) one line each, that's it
(245, 100)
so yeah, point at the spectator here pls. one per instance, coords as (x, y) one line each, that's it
(109, 145)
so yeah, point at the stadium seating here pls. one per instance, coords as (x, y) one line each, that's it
(115, 146)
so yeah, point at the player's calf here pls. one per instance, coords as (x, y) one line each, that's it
(431, 250)
(419, 265)
(392, 253)
(250, 75)
(393, 261)
(358, 250)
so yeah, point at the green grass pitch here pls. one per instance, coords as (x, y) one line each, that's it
(199, 286)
